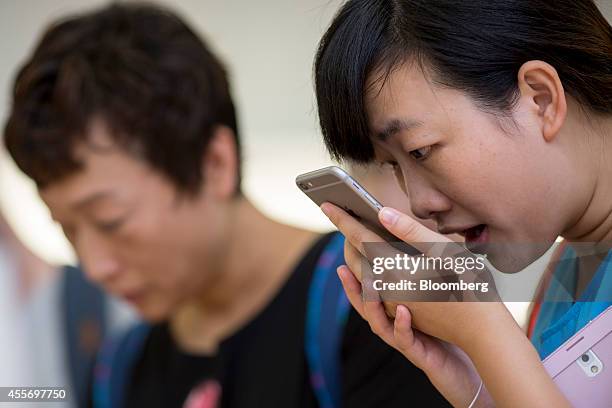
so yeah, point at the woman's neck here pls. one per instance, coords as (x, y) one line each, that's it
(591, 235)
(594, 225)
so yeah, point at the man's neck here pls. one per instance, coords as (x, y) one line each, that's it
(259, 257)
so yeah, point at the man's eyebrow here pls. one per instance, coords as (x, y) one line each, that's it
(89, 200)
(396, 125)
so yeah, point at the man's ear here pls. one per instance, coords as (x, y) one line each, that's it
(541, 86)
(220, 164)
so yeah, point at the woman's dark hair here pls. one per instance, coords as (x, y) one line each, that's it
(143, 71)
(475, 46)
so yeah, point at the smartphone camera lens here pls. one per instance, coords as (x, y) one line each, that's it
(590, 364)
(303, 186)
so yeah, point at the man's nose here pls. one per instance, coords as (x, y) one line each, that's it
(100, 265)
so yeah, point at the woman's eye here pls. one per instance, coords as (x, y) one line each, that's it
(420, 154)
(393, 164)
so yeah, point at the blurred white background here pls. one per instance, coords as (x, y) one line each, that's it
(268, 46)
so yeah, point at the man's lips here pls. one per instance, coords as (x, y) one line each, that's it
(131, 296)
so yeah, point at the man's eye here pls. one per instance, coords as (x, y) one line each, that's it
(109, 226)
(421, 154)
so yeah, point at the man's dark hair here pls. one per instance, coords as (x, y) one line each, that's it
(475, 46)
(139, 68)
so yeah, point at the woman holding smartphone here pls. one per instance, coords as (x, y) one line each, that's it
(497, 118)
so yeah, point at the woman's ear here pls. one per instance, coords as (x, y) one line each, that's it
(541, 86)
(220, 164)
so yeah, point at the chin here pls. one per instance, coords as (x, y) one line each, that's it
(514, 257)
(153, 313)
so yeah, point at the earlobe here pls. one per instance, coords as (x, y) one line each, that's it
(539, 82)
(220, 164)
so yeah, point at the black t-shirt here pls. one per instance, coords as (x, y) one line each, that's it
(264, 364)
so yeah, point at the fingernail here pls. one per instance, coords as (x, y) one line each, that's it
(340, 272)
(325, 208)
(401, 312)
(388, 215)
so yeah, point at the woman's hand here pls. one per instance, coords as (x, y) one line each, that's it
(497, 348)
(448, 368)
(453, 322)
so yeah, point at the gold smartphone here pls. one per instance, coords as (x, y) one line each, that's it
(334, 185)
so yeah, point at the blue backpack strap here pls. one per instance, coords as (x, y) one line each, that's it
(83, 316)
(115, 364)
(326, 315)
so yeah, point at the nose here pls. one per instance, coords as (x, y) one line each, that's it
(97, 259)
(426, 201)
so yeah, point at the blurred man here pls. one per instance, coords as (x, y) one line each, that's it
(124, 119)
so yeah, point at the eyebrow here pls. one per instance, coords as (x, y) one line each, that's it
(396, 125)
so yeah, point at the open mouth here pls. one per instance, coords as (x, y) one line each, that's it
(478, 234)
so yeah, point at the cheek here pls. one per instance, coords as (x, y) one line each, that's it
(474, 176)
(178, 252)
(165, 269)
(153, 246)
(469, 175)
(505, 185)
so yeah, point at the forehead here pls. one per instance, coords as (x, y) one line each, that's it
(404, 92)
(106, 167)
(407, 94)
